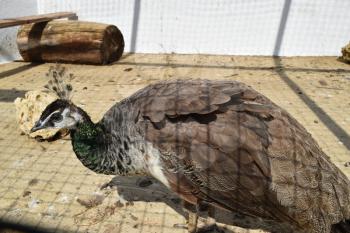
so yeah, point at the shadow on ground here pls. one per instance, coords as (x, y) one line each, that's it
(147, 189)
(18, 69)
(9, 95)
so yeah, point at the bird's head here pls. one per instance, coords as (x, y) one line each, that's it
(60, 114)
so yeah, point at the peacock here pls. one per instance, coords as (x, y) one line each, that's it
(217, 144)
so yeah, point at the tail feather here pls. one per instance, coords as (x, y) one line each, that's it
(341, 227)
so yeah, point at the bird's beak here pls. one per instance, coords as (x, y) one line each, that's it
(38, 125)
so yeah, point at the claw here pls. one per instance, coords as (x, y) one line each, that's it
(180, 226)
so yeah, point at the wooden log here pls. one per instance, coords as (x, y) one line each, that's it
(70, 41)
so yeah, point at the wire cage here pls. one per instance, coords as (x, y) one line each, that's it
(286, 50)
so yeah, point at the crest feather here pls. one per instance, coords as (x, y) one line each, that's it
(57, 75)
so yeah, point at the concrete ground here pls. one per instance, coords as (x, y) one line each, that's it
(43, 184)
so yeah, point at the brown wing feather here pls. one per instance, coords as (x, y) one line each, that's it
(225, 143)
(181, 97)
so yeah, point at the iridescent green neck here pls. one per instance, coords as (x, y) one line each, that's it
(105, 149)
(89, 144)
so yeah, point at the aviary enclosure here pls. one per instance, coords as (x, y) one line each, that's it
(240, 121)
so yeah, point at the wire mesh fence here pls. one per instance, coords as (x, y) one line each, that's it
(44, 185)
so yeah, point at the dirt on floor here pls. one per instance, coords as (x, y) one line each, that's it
(43, 184)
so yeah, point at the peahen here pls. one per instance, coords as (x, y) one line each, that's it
(215, 143)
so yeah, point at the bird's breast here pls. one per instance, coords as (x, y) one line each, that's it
(154, 165)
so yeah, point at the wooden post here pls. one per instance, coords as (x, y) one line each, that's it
(70, 41)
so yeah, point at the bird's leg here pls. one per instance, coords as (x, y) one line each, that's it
(207, 223)
(192, 219)
(199, 218)
(192, 222)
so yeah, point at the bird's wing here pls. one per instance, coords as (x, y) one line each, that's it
(174, 98)
(214, 140)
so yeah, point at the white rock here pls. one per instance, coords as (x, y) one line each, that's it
(29, 109)
(33, 203)
(51, 211)
(64, 198)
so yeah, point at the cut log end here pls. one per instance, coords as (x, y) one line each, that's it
(71, 42)
(113, 46)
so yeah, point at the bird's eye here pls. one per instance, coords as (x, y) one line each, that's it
(56, 117)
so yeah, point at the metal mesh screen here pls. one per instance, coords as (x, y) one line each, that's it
(44, 187)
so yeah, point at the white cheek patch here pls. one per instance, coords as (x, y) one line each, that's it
(76, 116)
(48, 118)
(68, 120)
(65, 112)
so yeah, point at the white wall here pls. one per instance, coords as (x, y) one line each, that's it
(249, 27)
(10, 9)
(239, 27)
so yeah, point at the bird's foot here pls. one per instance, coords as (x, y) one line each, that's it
(207, 229)
(180, 225)
(196, 224)
(210, 229)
